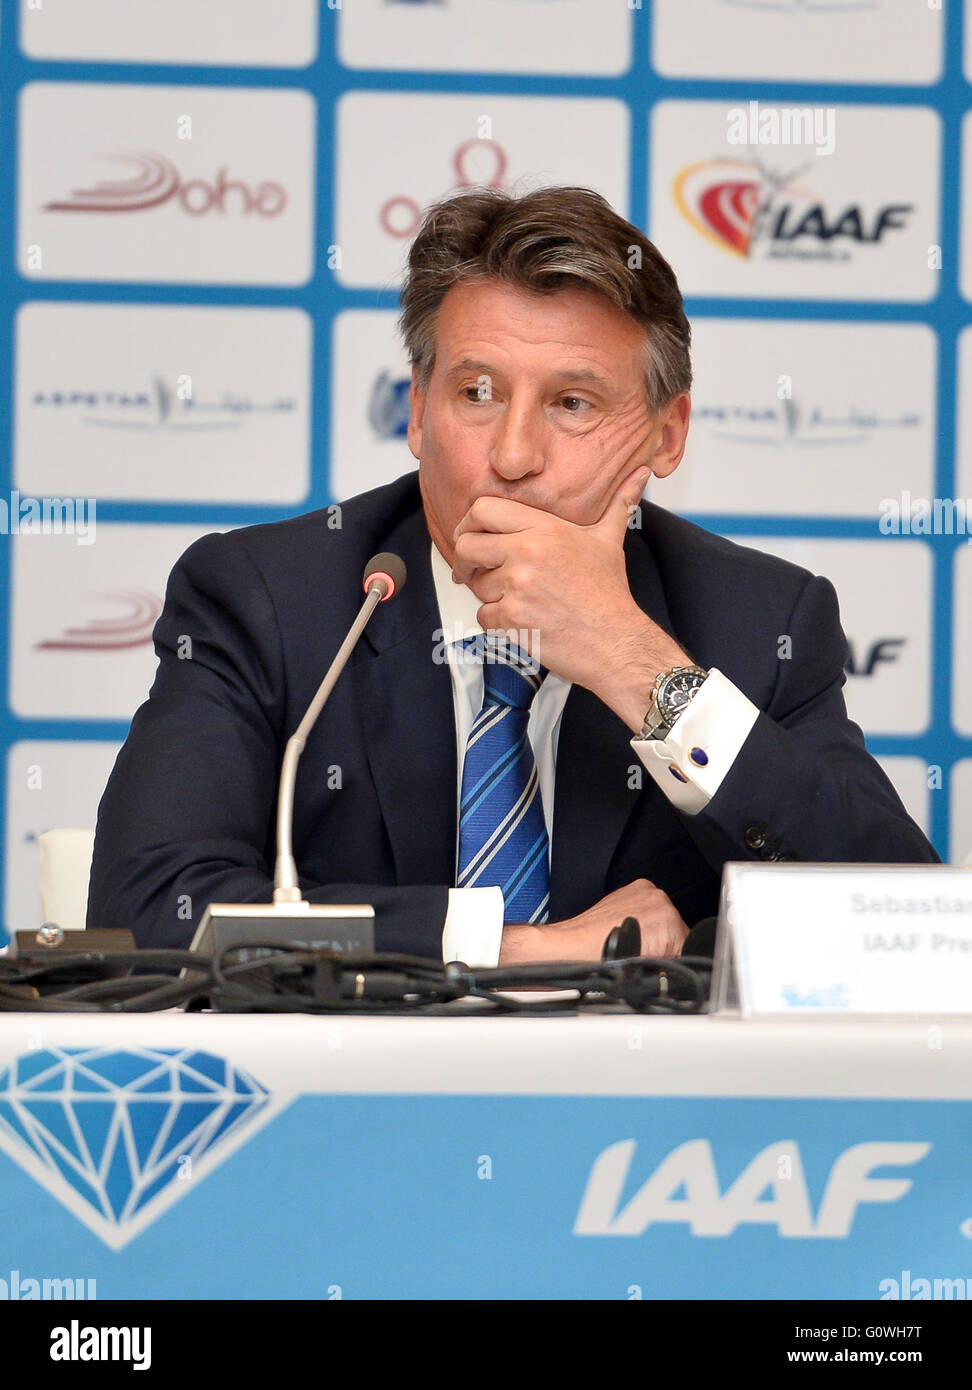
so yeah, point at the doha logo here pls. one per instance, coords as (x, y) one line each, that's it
(118, 1135)
(132, 629)
(156, 180)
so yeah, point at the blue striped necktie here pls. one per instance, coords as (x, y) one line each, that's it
(502, 832)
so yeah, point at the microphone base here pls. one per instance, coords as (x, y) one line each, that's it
(346, 929)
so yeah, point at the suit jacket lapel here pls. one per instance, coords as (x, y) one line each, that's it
(404, 693)
(592, 800)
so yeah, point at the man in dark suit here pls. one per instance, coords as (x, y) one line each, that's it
(664, 700)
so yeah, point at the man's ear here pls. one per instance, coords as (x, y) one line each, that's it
(674, 423)
(416, 401)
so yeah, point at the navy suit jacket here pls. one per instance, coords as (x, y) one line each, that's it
(250, 622)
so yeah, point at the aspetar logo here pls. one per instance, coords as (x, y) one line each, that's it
(770, 1191)
(787, 421)
(155, 181)
(747, 209)
(157, 408)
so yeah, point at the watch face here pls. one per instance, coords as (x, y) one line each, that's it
(678, 692)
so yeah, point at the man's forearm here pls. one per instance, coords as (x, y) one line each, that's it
(641, 653)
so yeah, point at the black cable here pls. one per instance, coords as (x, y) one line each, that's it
(266, 977)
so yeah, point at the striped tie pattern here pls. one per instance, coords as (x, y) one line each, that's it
(502, 832)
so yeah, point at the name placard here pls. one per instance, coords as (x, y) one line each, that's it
(844, 938)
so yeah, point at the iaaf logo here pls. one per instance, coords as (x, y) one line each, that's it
(739, 204)
(156, 180)
(770, 1191)
(883, 651)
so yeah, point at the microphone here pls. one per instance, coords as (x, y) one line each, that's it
(388, 572)
(625, 940)
(701, 940)
(384, 576)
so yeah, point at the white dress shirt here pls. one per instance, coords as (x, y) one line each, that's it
(688, 765)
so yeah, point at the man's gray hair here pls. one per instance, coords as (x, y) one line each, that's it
(541, 242)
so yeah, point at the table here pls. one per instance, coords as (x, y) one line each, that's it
(602, 1156)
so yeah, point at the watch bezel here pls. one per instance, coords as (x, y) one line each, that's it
(659, 720)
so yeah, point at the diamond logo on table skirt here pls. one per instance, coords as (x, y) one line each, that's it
(119, 1135)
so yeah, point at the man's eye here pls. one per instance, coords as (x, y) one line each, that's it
(577, 401)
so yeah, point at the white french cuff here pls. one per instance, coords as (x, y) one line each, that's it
(691, 762)
(473, 931)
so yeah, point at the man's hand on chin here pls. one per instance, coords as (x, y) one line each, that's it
(534, 571)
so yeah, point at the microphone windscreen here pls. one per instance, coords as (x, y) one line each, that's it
(701, 940)
(386, 567)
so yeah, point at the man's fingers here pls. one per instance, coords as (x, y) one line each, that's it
(490, 619)
(479, 550)
(496, 514)
(619, 510)
(488, 586)
(501, 515)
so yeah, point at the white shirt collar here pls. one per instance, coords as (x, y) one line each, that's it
(458, 605)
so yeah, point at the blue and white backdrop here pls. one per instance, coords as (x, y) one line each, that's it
(204, 208)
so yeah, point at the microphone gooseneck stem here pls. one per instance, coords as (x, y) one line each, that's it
(286, 888)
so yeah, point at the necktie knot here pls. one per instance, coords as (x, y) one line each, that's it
(511, 676)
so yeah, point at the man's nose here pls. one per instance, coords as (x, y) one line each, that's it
(518, 447)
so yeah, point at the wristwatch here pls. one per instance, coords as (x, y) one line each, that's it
(671, 696)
